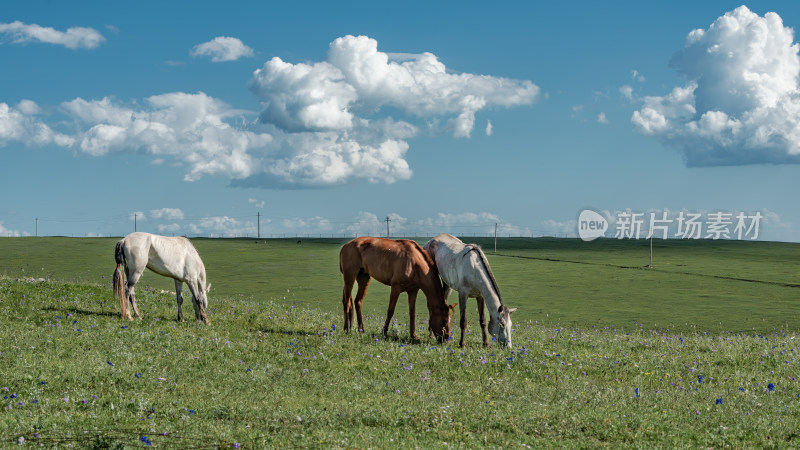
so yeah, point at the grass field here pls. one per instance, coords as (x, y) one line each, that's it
(699, 351)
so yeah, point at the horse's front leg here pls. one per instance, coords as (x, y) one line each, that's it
(482, 320)
(412, 313)
(462, 308)
(393, 296)
(179, 298)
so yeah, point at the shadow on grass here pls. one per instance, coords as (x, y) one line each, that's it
(400, 339)
(86, 312)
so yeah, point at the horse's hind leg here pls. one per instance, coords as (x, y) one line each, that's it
(179, 298)
(347, 302)
(363, 283)
(130, 293)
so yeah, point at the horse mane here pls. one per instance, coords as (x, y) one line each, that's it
(425, 255)
(486, 267)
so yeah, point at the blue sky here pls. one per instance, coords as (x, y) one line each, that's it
(326, 118)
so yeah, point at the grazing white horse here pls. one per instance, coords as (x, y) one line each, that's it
(464, 268)
(173, 257)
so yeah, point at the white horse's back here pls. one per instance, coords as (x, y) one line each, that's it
(174, 257)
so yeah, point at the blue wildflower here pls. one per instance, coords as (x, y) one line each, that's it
(146, 441)
(110, 363)
(771, 387)
(718, 401)
(741, 389)
(699, 379)
(637, 392)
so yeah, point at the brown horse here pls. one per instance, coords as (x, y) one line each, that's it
(401, 264)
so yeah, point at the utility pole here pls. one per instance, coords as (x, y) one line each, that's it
(387, 226)
(651, 252)
(134, 222)
(37, 227)
(259, 224)
(495, 237)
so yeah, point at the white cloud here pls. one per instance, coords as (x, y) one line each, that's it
(169, 228)
(20, 124)
(188, 127)
(627, 91)
(321, 124)
(741, 103)
(167, 214)
(365, 224)
(223, 226)
(636, 76)
(74, 38)
(222, 48)
(329, 111)
(5, 232)
(256, 202)
(489, 128)
(300, 225)
(137, 216)
(601, 118)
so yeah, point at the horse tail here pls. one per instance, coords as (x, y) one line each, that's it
(118, 283)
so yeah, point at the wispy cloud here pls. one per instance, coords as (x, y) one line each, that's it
(222, 48)
(74, 38)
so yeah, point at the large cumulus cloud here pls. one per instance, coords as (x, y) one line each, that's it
(320, 124)
(740, 103)
(331, 115)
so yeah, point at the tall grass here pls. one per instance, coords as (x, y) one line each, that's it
(699, 352)
(270, 372)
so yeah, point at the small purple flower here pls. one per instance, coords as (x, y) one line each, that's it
(718, 401)
(236, 445)
(110, 363)
(741, 389)
(699, 379)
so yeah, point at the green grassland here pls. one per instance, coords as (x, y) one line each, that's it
(698, 351)
(694, 285)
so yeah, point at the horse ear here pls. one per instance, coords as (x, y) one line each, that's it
(208, 288)
(453, 306)
(512, 310)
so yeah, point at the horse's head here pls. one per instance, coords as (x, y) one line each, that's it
(440, 323)
(500, 327)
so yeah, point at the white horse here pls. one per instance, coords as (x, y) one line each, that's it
(173, 257)
(464, 268)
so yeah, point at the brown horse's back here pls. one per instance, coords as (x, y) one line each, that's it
(388, 261)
